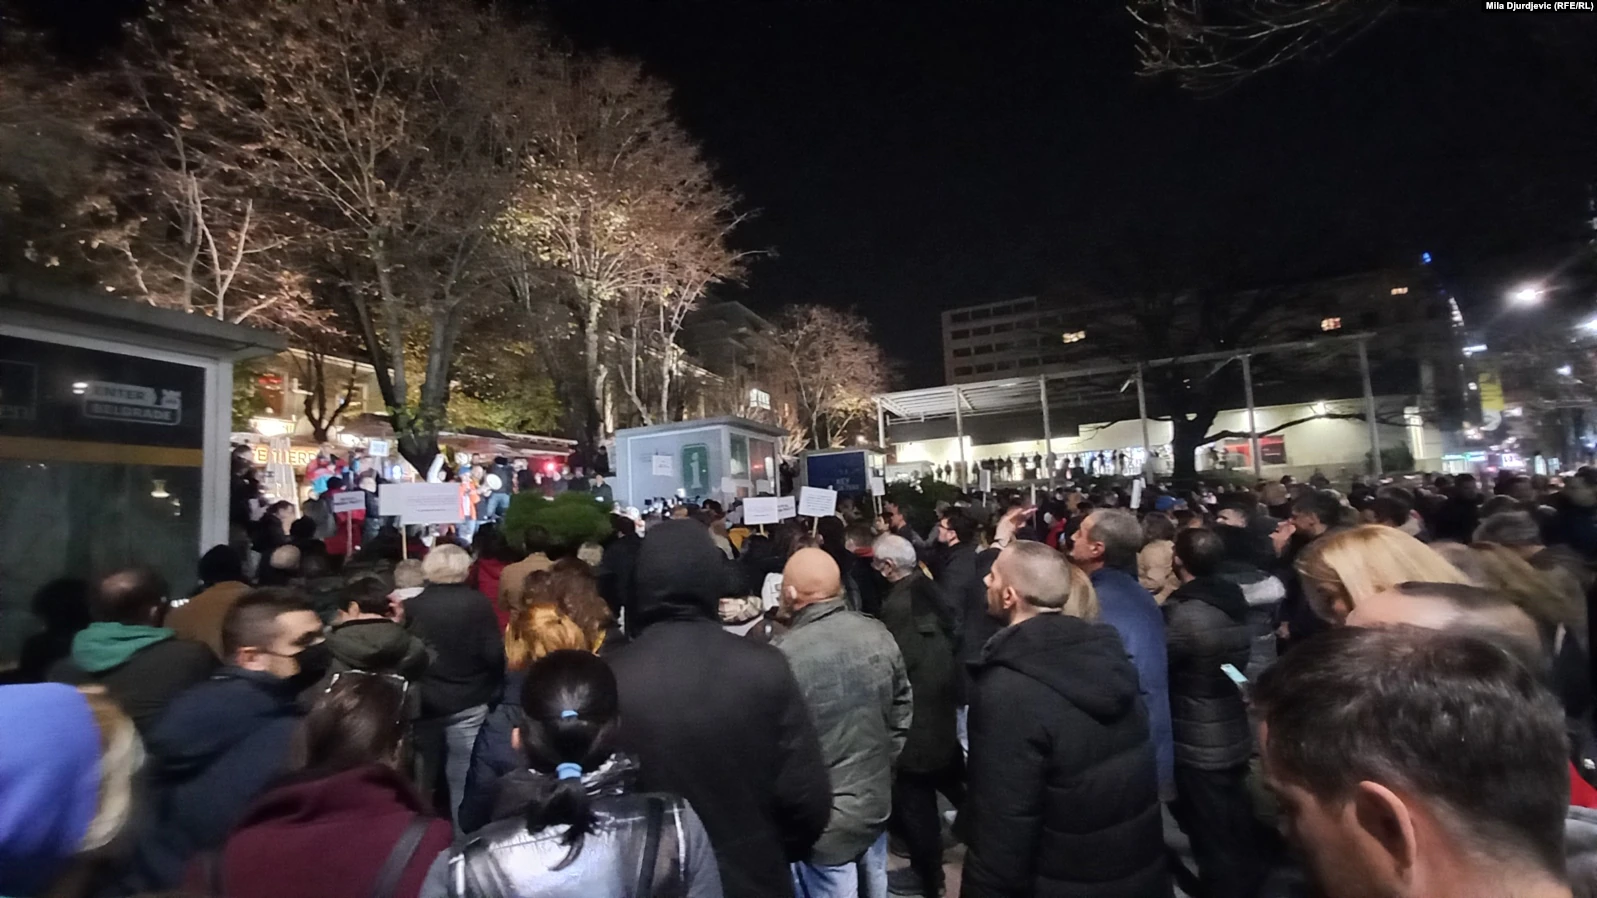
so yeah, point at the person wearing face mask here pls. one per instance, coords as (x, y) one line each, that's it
(223, 741)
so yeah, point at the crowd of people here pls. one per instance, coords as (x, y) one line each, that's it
(1383, 691)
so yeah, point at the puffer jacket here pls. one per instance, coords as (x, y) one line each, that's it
(505, 859)
(1064, 792)
(852, 676)
(1206, 623)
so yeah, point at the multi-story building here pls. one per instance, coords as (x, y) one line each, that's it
(1032, 335)
(732, 342)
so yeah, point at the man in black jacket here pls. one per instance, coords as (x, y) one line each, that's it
(1064, 792)
(458, 623)
(717, 719)
(931, 761)
(1206, 625)
(959, 570)
(142, 664)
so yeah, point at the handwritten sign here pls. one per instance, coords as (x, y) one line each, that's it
(377, 448)
(815, 502)
(878, 486)
(786, 507)
(349, 500)
(662, 466)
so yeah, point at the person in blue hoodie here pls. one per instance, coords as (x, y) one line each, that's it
(1106, 548)
(220, 744)
(142, 664)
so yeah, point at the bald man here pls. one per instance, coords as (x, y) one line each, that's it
(852, 676)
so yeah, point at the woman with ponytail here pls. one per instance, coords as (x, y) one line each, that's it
(570, 823)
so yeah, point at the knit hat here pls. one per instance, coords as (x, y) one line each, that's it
(49, 782)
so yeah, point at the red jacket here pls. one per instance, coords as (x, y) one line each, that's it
(326, 838)
(485, 576)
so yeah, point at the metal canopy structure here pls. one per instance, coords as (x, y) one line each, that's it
(1095, 384)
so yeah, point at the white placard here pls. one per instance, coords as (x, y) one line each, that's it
(878, 486)
(662, 466)
(816, 502)
(985, 481)
(729, 487)
(771, 591)
(762, 486)
(762, 511)
(377, 448)
(349, 500)
(1136, 494)
(786, 507)
(420, 503)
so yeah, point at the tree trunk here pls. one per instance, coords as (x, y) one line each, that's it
(590, 358)
(1186, 436)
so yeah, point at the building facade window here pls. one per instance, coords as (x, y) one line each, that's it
(1072, 336)
(1330, 324)
(760, 399)
(962, 370)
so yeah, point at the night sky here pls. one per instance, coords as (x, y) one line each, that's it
(904, 157)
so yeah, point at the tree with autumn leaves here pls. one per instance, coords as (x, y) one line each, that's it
(403, 179)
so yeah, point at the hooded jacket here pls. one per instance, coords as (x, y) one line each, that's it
(216, 749)
(143, 668)
(1063, 798)
(1206, 623)
(717, 719)
(362, 812)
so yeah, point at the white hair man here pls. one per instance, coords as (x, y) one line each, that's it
(459, 623)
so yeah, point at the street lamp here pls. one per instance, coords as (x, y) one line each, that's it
(1566, 370)
(1527, 294)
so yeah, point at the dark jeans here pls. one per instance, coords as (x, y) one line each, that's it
(918, 822)
(1214, 810)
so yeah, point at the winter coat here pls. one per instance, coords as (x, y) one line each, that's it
(143, 668)
(347, 822)
(1156, 569)
(1127, 607)
(506, 858)
(458, 624)
(214, 751)
(485, 576)
(615, 576)
(513, 580)
(719, 719)
(1063, 797)
(954, 569)
(492, 756)
(853, 679)
(1206, 624)
(200, 618)
(914, 614)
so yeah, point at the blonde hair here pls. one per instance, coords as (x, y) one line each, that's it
(1342, 568)
(446, 564)
(1083, 599)
(538, 630)
(121, 757)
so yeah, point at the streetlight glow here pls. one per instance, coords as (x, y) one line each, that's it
(1527, 295)
(1566, 370)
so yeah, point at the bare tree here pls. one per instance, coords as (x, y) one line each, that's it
(322, 411)
(1210, 46)
(833, 369)
(619, 203)
(395, 132)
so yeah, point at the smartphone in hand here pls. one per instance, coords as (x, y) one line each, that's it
(1237, 677)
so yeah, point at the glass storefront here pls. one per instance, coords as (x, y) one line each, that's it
(101, 465)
